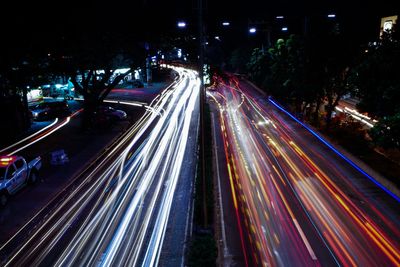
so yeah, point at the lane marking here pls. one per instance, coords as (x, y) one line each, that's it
(305, 240)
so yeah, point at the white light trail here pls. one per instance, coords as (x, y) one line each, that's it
(125, 207)
(31, 136)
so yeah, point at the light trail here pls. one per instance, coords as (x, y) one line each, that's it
(65, 122)
(54, 127)
(118, 215)
(294, 199)
(30, 136)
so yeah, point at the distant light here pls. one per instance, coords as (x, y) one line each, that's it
(284, 29)
(280, 17)
(225, 23)
(252, 30)
(217, 38)
(27, 87)
(331, 16)
(181, 24)
(48, 54)
(194, 38)
(206, 43)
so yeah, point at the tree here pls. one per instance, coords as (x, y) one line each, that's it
(386, 133)
(376, 79)
(293, 77)
(238, 60)
(258, 65)
(91, 61)
(18, 72)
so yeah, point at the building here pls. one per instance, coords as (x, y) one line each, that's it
(387, 23)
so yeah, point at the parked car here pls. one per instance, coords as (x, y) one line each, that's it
(15, 173)
(49, 110)
(113, 114)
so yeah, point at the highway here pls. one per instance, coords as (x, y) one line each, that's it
(297, 202)
(118, 214)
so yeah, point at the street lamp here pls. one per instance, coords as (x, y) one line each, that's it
(225, 23)
(331, 16)
(279, 17)
(252, 30)
(284, 29)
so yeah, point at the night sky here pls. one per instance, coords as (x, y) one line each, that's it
(23, 22)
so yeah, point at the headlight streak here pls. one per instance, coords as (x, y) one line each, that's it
(66, 121)
(32, 135)
(119, 226)
(261, 189)
(51, 129)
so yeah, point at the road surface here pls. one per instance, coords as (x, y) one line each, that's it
(298, 203)
(118, 214)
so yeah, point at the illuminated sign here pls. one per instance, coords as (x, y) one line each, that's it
(387, 23)
(35, 95)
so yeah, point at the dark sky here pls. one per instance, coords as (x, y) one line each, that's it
(133, 13)
(24, 21)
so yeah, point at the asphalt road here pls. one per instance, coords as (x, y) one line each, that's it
(118, 213)
(81, 148)
(300, 204)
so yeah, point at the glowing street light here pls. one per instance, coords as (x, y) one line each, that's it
(181, 24)
(284, 29)
(225, 23)
(252, 30)
(279, 17)
(331, 16)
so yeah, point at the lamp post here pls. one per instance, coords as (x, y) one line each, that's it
(266, 29)
(202, 99)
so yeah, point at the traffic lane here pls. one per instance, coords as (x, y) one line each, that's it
(180, 222)
(81, 148)
(364, 191)
(371, 220)
(260, 192)
(367, 196)
(331, 221)
(352, 218)
(230, 248)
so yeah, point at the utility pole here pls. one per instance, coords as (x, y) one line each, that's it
(202, 96)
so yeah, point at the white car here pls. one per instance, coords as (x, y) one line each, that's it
(15, 172)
